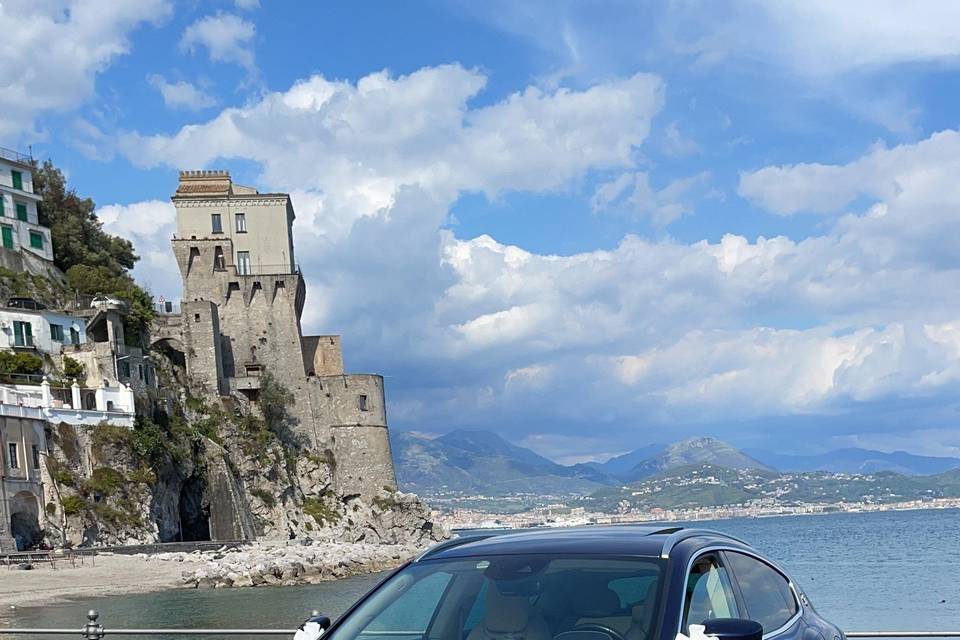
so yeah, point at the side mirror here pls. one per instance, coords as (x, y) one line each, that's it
(313, 627)
(733, 629)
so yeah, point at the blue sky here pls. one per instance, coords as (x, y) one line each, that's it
(587, 226)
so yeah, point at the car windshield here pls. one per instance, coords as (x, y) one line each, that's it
(531, 597)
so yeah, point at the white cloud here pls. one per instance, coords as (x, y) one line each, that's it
(225, 36)
(52, 52)
(181, 94)
(676, 144)
(150, 226)
(632, 191)
(902, 176)
(636, 337)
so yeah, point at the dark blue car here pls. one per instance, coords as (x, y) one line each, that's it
(590, 583)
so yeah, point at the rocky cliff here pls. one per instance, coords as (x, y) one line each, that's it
(198, 470)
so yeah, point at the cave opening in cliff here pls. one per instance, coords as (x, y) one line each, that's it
(194, 515)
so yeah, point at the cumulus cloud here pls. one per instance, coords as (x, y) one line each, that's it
(149, 225)
(181, 94)
(53, 51)
(225, 36)
(472, 331)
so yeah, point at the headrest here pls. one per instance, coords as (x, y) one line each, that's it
(596, 602)
(640, 610)
(505, 614)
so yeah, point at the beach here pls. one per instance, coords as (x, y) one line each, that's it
(106, 574)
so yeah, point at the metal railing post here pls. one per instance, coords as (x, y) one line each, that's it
(93, 630)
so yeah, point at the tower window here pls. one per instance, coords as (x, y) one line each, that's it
(36, 456)
(12, 459)
(216, 222)
(219, 263)
(241, 223)
(362, 402)
(243, 263)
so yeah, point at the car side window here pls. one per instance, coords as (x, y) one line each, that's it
(766, 592)
(709, 593)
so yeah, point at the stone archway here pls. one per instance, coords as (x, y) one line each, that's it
(173, 349)
(25, 520)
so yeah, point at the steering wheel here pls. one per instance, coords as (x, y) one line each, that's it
(596, 626)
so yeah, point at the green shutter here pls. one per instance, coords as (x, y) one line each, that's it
(2, 205)
(7, 237)
(36, 240)
(17, 180)
(21, 211)
(28, 333)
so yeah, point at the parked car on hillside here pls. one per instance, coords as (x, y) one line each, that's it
(589, 583)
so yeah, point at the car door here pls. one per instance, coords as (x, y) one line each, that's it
(708, 592)
(766, 595)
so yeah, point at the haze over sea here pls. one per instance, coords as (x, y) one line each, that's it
(890, 570)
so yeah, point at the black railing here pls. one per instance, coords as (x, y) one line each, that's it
(94, 630)
(16, 156)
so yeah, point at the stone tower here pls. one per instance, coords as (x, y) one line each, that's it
(243, 296)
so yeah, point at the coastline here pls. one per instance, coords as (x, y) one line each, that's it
(108, 574)
(259, 564)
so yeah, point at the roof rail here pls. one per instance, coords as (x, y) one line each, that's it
(678, 536)
(453, 542)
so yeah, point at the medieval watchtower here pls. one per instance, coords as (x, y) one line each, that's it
(243, 296)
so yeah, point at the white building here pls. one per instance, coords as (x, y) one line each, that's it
(23, 324)
(20, 228)
(75, 405)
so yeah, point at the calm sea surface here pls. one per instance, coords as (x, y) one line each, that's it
(892, 570)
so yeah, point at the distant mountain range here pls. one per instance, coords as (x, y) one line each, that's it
(854, 460)
(482, 462)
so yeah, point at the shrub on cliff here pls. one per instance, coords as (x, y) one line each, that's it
(20, 363)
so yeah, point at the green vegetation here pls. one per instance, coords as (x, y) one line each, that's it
(94, 261)
(264, 496)
(26, 363)
(73, 368)
(74, 505)
(103, 480)
(319, 508)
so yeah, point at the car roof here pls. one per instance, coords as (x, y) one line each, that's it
(624, 540)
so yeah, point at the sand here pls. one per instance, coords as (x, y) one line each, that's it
(110, 575)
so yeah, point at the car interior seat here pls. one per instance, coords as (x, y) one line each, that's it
(509, 618)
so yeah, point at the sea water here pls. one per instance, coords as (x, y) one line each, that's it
(890, 570)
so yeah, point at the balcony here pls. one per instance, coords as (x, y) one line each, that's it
(16, 156)
(73, 405)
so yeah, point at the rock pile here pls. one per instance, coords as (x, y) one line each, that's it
(288, 565)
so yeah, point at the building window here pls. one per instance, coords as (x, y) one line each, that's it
(12, 461)
(21, 212)
(17, 180)
(362, 402)
(140, 371)
(243, 263)
(241, 223)
(7, 237)
(216, 222)
(74, 336)
(3, 206)
(22, 334)
(124, 369)
(56, 332)
(36, 456)
(219, 263)
(36, 240)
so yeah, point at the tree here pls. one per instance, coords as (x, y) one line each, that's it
(77, 234)
(94, 261)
